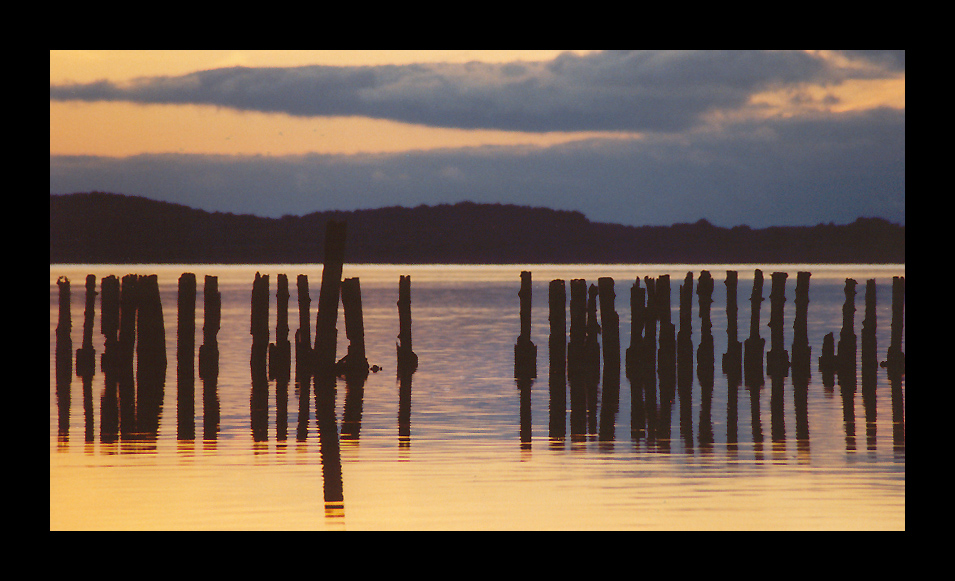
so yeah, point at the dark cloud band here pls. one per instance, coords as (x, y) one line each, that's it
(606, 91)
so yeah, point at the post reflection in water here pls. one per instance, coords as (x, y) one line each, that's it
(134, 369)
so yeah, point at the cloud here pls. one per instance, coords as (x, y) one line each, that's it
(661, 91)
(784, 172)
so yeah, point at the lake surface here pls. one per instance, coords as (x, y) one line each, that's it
(464, 446)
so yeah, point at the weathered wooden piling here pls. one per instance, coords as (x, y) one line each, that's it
(407, 359)
(847, 346)
(870, 363)
(209, 356)
(895, 358)
(280, 352)
(64, 342)
(666, 352)
(303, 335)
(649, 362)
(64, 359)
(684, 360)
(801, 351)
(705, 357)
(185, 357)
(636, 364)
(592, 359)
(326, 333)
(557, 343)
(259, 399)
(259, 327)
(777, 359)
(576, 349)
(754, 345)
(610, 329)
(150, 357)
(128, 301)
(525, 351)
(355, 362)
(109, 326)
(733, 358)
(86, 355)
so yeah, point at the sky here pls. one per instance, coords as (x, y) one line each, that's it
(761, 138)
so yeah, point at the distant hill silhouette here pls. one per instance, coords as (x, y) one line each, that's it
(117, 229)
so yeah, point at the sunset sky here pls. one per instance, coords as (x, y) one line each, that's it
(633, 137)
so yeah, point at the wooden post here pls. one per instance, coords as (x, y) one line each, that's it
(109, 325)
(802, 352)
(64, 359)
(666, 353)
(649, 365)
(733, 358)
(610, 328)
(407, 359)
(259, 400)
(636, 360)
(895, 358)
(185, 357)
(303, 335)
(557, 377)
(326, 333)
(846, 347)
(870, 363)
(575, 357)
(684, 357)
(209, 357)
(754, 345)
(704, 358)
(150, 357)
(355, 362)
(280, 352)
(128, 302)
(777, 359)
(525, 352)
(592, 359)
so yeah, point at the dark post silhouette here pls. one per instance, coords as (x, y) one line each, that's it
(636, 360)
(846, 362)
(575, 357)
(802, 353)
(326, 337)
(209, 357)
(259, 399)
(355, 362)
(280, 352)
(705, 358)
(870, 363)
(303, 336)
(185, 357)
(733, 358)
(64, 359)
(326, 334)
(525, 352)
(754, 345)
(86, 356)
(557, 343)
(592, 360)
(684, 341)
(649, 366)
(407, 359)
(128, 301)
(150, 357)
(666, 353)
(684, 358)
(109, 325)
(895, 358)
(610, 328)
(777, 359)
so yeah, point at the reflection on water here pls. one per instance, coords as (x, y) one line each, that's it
(654, 439)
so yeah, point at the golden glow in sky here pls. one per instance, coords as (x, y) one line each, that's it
(119, 129)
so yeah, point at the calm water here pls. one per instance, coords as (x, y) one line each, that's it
(466, 457)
